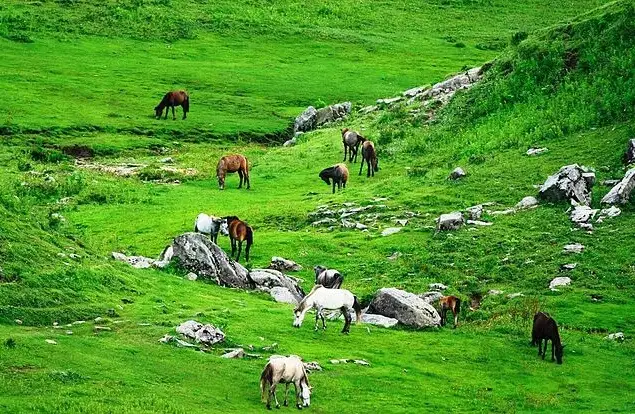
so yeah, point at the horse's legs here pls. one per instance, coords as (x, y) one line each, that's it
(240, 174)
(539, 346)
(361, 166)
(442, 315)
(233, 242)
(323, 323)
(544, 350)
(456, 317)
(345, 147)
(240, 248)
(552, 353)
(167, 111)
(298, 388)
(286, 395)
(275, 397)
(347, 320)
(367, 167)
(173, 113)
(270, 391)
(333, 186)
(317, 318)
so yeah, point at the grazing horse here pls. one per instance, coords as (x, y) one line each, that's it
(285, 370)
(329, 278)
(351, 141)
(321, 298)
(450, 303)
(338, 173)
(545, 327)
(210, 225)
(239, 231)
(231, 164)
(370, 156)
(170, 100)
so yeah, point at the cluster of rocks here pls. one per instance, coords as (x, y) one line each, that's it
(583, 216)
(350, 216)
(312, 118)
(571, 183)
(472, 215)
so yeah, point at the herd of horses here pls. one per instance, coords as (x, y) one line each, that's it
(327, 293)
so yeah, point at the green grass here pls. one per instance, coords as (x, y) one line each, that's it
(278, 64)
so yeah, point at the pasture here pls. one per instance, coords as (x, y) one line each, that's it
(81, 82)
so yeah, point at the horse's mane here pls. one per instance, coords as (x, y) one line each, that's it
(302, 303)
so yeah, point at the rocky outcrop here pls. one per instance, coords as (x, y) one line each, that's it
(206, 334)
(198, 254)
(267, 279)
(283, 295)
(570, 183)
(313, 118)
(306, 121)
(406, 307)
(450, 221)
(621, 193)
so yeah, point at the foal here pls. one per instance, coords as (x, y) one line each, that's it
(239, 231)
(450, 303)
(370, 156)
(351, 141)
(170, 100)
(338, 173)
(545, 327)
(231, 164)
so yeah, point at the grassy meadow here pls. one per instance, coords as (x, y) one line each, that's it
(86, 74)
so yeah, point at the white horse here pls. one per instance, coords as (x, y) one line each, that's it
(210, 225)
(322, 299)
(285, 370)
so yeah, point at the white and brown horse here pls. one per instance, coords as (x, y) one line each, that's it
(321, 299)
(285, 370)
(351, 141)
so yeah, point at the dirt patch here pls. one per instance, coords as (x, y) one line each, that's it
(79, 151)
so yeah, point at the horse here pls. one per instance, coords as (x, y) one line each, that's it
(285, 370)
(231, 164)
(450, 303)
(239, 231)
(370, 156)
(322, 299)
(329, 278)
(545, 327)
(172, 99)
(338, 173)
(210, 225)
(351, 141)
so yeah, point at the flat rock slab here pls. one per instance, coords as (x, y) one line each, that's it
(574, 248)
(559, 281)
(621, 192)
(390, 230)
(379, 320)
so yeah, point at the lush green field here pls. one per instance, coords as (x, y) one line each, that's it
(251, 69)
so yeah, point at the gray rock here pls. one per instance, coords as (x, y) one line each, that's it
(389, 101)
(406, 307)
(610, 183)
(390, 230)
(138, 262)
(582, 214)
(574, 248)
(306, 121)
(536, 151)
(198, 254)
(283, 295)
(368, 109)
(324, 221)
(431, 297)
(284, 265)
(167, 160)
(527, 202)
(209, 335)
(451, 221)
(515, 295)
(568, 266)
(621, 192)
(608, 213)
(394, 256)
(411, 93)
(457, 173)
(617, 336)
(379, 320)
(559, 281)
(234, 354)
(629, 155)
(189, 328)
(475, 212)
(332, 113)
(361, 362)
(502, 212)
(569, 183)
(437, 286)
(267, 279)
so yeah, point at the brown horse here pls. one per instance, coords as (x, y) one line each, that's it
(231, 164)
(170, 100)
(239, 231)
(545, 327)
(351, 141)
(450, 303)
(338, 173)
(370, 156)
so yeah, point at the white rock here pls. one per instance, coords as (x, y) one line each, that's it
(390, 230)
(437, 286)
(502, 212)
(475, 212)
(527, 202)
(559, 281)
(479, 223)
(515, 295)
(457, 173)
(582, 214)
(50, 342)
(361, 362)
(394, 256)
(573, 248)
(450, 221)
(536, 151)
(617, 336)
(379, 320)
(495, 292)
(191, 276)
(235, 354)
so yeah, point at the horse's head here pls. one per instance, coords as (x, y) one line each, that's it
(318, 270)
(158, 111)
(306, 394)
(559, 351)
(221, 181)
(325, 175)
(298, 317)
(376, 164)
(221, 224)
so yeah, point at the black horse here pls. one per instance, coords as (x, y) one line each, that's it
(329, 278)
(545, 327)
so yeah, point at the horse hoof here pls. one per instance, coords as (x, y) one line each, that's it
(268, 407)
(278, 406)
(286, 404)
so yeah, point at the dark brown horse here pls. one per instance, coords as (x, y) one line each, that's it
(231, 164)
(545, 327)
(351, 141)
(170, 100)
(370, 156)
(239, 231)
(338, 173)
(450, 303)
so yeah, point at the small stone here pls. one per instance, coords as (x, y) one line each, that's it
(559, 281)
(361, 362)
(479, 223)
(457, 173)
(536, 151)
(617, 336)
(573, 248)
(103, 328)
(502, 212)
(527, 202)
(99, 319)
(475, 212)
(334, 361)
(390, 230)
(69, 332)
(402, 222)
(568, 267)
(79, 322)
(191, 276)
(18, 321)
(50, 342)
(515, 295)
(235, 354)
(394, 256)
(312, 366)
(495, 292)
(167, 160)
(437, 286)
(379, 320)
(450, 221)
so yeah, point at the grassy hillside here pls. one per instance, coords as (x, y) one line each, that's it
(568, 87)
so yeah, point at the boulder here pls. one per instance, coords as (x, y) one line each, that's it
(332, 113)
(621, 192)
(457, 173)
(629, 155)
(209, 335)
(559, 281)
(306, 121)
(527, 202)
(284, 265)
(189, 328)
(406, 307)
(569, 183)
(283, 295)
(379, 320)
(431, 297)
(451, 221)
(267, 279)
(198, 254)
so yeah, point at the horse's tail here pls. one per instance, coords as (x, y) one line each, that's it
(358, 310)
(457, 306)
(265, 378)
